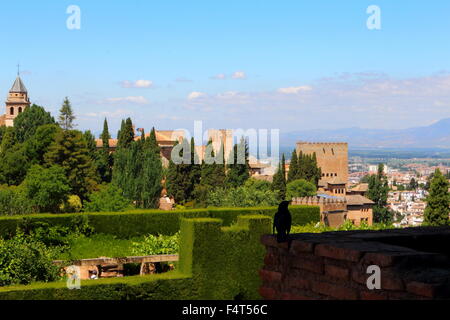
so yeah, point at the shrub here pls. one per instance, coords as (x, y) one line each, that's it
(154, 245)
(109, 199)
(72, 205)
(300, 188)
(13, 201)
(24, 260)
(215, 263)
(135, 223)
(46, 188)
(254, 193)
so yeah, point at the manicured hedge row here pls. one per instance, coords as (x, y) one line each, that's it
(219, 263)
(224, 261)
(143, 222)
(170, 286)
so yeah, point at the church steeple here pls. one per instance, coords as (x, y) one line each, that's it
(17, 101)
(18, 86)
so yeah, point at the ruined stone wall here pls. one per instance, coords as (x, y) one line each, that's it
(332, 158)
(414, 264)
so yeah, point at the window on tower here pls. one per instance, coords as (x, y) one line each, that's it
(11, 111)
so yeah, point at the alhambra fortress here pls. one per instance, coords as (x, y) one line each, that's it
(336, 200)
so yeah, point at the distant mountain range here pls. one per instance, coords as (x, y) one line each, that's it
(435, 136)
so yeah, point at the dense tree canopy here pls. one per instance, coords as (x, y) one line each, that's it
(238, 168)
(27, 122)
(300, 188)
(138, 170)
(70, 151)
(48, 188)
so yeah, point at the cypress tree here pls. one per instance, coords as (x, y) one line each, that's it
(279, 180)
(293, 168)
(151, 175)
(126, 134)
(238, 173)
(154, 142)
(105, 136)
(138, 172)
(438, 201)
(105, 160)
(378, 193)
(180, 177)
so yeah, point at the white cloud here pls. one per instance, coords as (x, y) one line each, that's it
(130, 99)
(137, 84)
(219, 76)
(182, 79)
(239, 75)
(119, 113)
(362, 99)
(294, 90)
(195, 95)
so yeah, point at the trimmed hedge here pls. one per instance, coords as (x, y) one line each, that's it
(216, 263)
(224, 261)
(168, 286)
(143, 222)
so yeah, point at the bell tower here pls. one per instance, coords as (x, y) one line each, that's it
(16, 102)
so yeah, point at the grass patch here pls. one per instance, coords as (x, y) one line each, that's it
(99, 245)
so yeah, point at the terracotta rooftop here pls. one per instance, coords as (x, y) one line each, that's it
(335, 180)
(362, 187)
(357, 200)
(163, 137)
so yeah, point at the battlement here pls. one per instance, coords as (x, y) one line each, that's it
(323, 143)
(317, 201)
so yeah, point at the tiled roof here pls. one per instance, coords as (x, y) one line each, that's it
(162, 137)
(357, 200)
(18, 86)
(363, 187)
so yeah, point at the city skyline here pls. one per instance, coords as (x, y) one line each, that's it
(315, 66)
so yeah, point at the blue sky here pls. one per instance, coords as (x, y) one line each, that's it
(233, 64)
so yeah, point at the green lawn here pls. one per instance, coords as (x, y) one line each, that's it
(99, 245)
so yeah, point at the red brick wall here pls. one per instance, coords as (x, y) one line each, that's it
(334, 266)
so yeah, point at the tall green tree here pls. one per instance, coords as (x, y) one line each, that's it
(438, 201)
(279, 179)
(238, 165)
(378, 193)
(300, 188)
(151, 176)
(138, 172)
(38, 144)
(126, 134)
(311, 171)
(66, 115)
(46, 188)
(184, 173)
(212, 174)
(70, 151)
(293, 173)
(413, 185)
(27, 122)
(105, 160)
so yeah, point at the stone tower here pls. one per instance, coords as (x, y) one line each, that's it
(332, 158)
(16, 102)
